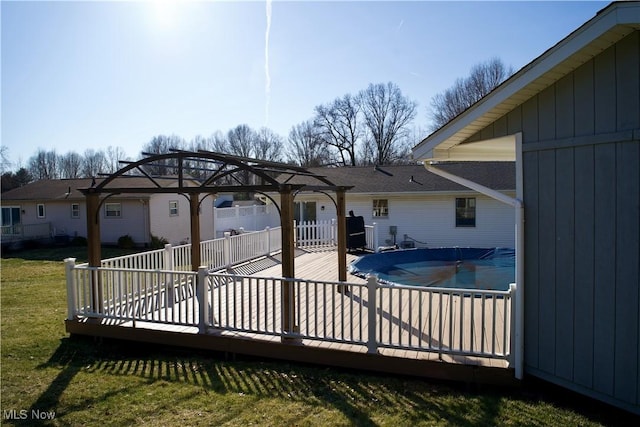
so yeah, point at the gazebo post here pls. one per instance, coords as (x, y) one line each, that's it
(342, 235)
(93, 247)
(288, 254)
(194, 209)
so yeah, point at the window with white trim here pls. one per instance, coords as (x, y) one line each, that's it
(40, 210)
(113, 210)
(75, 210)
(173, 208)
(380, 208)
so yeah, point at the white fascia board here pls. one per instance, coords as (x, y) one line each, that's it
(617, 14)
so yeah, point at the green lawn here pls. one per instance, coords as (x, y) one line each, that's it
(88, 382)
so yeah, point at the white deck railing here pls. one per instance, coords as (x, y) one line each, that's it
(215, 254)
(446, 321)
(234, 249)
(319, 234)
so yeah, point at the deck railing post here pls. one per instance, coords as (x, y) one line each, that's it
(372, 287)
(70, 264)
(168, 257)
(375, 237)
(201, 291)
(226, 249)
(268, 231)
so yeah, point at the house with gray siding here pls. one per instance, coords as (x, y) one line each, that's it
(571, 121)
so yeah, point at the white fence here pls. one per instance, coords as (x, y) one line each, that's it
(26, 232)
(446, 321)
(256, 217)
(215, 254)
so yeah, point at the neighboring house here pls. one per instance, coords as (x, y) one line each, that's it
(413, 207)
(571, 120)
(58, 205)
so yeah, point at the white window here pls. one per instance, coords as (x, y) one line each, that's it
(112, 210)
(41, 211)
(173, 208)
(380, 208)
(75, 210)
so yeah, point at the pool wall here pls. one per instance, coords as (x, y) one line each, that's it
(411, 266)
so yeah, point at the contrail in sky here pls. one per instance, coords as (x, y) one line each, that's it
(267, 88)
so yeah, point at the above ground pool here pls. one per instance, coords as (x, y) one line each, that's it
(468, 268)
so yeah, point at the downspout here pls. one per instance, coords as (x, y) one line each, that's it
(519, 219)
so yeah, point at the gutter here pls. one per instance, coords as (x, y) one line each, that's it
(518, 351)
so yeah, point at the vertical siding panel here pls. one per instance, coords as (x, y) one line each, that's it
(514, 121)
(531, 324)
(530, 120)
(487, 133)
(584, 259)
(627, 257)
(564, 107)
(628, 83)
(605, 92)
(605, 274)
(547, 257)
(564, 223)
(583, 95)
(547, 114)
(500, 127)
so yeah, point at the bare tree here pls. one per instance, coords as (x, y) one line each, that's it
(387, 114)
(306, 148)
(94, 163)
(44, 165)
(268, 145)
(161, 144)
(338, 126)
(218, 142)
(113, 156)
(483, 78)
(5, 163)
(241, 140)
(71, 165)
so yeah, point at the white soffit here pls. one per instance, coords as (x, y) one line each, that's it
(497, 149)
(609, 26)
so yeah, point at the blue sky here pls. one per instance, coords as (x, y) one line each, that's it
(88, 75)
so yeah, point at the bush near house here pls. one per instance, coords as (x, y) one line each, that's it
(126, 242)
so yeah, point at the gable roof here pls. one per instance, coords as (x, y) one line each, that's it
(610, 25)
(65, 189)
(415, 178)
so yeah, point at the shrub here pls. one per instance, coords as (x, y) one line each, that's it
(158, 242)
(125, 242)
(79, 241)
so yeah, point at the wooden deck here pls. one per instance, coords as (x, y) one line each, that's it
(322, 266)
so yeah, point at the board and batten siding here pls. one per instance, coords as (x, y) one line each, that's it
(581, 168)
(431, 219)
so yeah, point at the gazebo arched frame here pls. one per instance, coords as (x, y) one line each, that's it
(197, 173)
